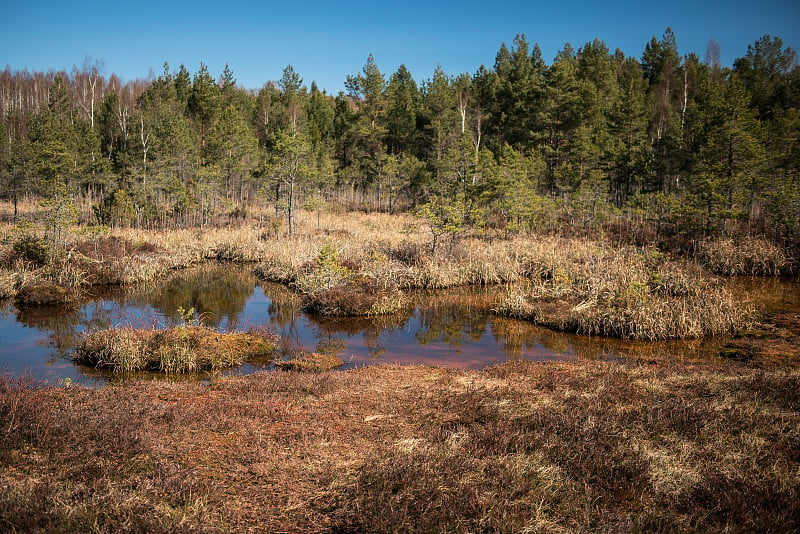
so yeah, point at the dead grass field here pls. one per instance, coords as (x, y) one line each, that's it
(522, 447)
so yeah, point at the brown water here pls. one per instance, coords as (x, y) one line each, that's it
(452, 328)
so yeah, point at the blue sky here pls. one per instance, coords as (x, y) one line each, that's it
(326, 41)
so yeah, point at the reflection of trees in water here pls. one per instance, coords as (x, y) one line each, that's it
(285, 304)
(519, 338)
(514, 336)
(283, 311)
(64, 325)
(451, 324)
(330, 331)
(6, 310)
(215, 291)
(454, 317)
(522, 338)
(772, 294)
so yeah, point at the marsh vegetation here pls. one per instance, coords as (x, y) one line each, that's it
(647, 444)
(588, 446)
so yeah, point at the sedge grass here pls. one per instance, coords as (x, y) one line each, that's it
(591, 289)
(182, 349)
(751, 256)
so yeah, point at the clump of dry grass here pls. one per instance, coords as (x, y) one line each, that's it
(53, 284)
(591, 289)
(752, 256)
(356, 297)
(43, 293)
(334, 286)
(183, 349)
(7, 283)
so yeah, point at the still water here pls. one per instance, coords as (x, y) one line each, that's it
(453, 328)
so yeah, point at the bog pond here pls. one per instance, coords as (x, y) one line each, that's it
(449, 328)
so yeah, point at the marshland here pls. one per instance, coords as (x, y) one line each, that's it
(543, 298)
(685, 420)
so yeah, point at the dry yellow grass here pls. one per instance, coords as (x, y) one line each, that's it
(593, 288)
(753, 256)
(586, 286)
(183, 349)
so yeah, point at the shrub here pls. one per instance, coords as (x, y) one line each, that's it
(31, 249)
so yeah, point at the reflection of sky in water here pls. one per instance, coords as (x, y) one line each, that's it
(448, 328)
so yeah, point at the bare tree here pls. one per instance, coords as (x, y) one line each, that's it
(712, 54)
(86, 79)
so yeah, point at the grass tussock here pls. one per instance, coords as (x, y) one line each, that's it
(752, 256)
(184, 349)
(310, 363)
(591, 289)
(589, 447)
(354, 298)
(7, 283)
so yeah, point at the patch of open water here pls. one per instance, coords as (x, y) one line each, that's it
(450, 328)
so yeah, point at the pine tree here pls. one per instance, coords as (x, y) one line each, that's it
(204, 106)
(439, 104)
(402, 112)
(369, 88)
(629, 140)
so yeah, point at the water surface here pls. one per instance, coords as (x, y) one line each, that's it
(451, 328)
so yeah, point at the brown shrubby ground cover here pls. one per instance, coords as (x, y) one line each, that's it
(521, 447)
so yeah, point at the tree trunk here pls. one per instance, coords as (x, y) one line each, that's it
(290, 208)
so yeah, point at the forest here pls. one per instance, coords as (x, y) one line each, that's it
(662, 149)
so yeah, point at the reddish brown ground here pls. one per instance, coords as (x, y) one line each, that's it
(578, 447)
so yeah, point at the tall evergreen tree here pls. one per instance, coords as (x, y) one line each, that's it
(369, 88)
(402, 112)
(204, 106)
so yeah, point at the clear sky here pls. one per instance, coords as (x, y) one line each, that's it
(326, 41)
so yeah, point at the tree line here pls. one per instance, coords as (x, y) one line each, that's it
(661, 147)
